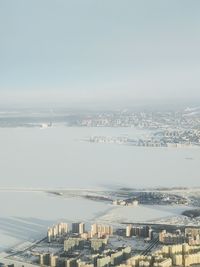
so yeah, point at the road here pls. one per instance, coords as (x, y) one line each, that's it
(152, 244)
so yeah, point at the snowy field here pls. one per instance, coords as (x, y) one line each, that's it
(56, 157)
(142, 213)
(26, 215)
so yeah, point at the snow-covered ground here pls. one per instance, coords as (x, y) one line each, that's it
(25, 216)
(142, 213)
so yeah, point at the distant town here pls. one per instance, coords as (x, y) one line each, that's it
(166, 128)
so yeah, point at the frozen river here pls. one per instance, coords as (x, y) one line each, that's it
(26, 215)
(58, 157)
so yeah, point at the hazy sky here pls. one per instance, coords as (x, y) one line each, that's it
(84, 50)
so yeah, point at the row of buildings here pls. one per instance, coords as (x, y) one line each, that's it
(107, 258)
(74, 246)
(139, 231)
(62, 229)
(190, 236)
(182, 255)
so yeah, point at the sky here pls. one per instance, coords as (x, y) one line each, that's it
(108, 51)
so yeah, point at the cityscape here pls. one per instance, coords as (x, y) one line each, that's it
(123, 243)
(99, 133)
(103, 245)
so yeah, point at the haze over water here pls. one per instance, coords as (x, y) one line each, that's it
(58, 157)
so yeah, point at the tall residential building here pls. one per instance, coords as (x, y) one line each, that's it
(128, 230)
(57, 231)
(78, 228)
(101, 230)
